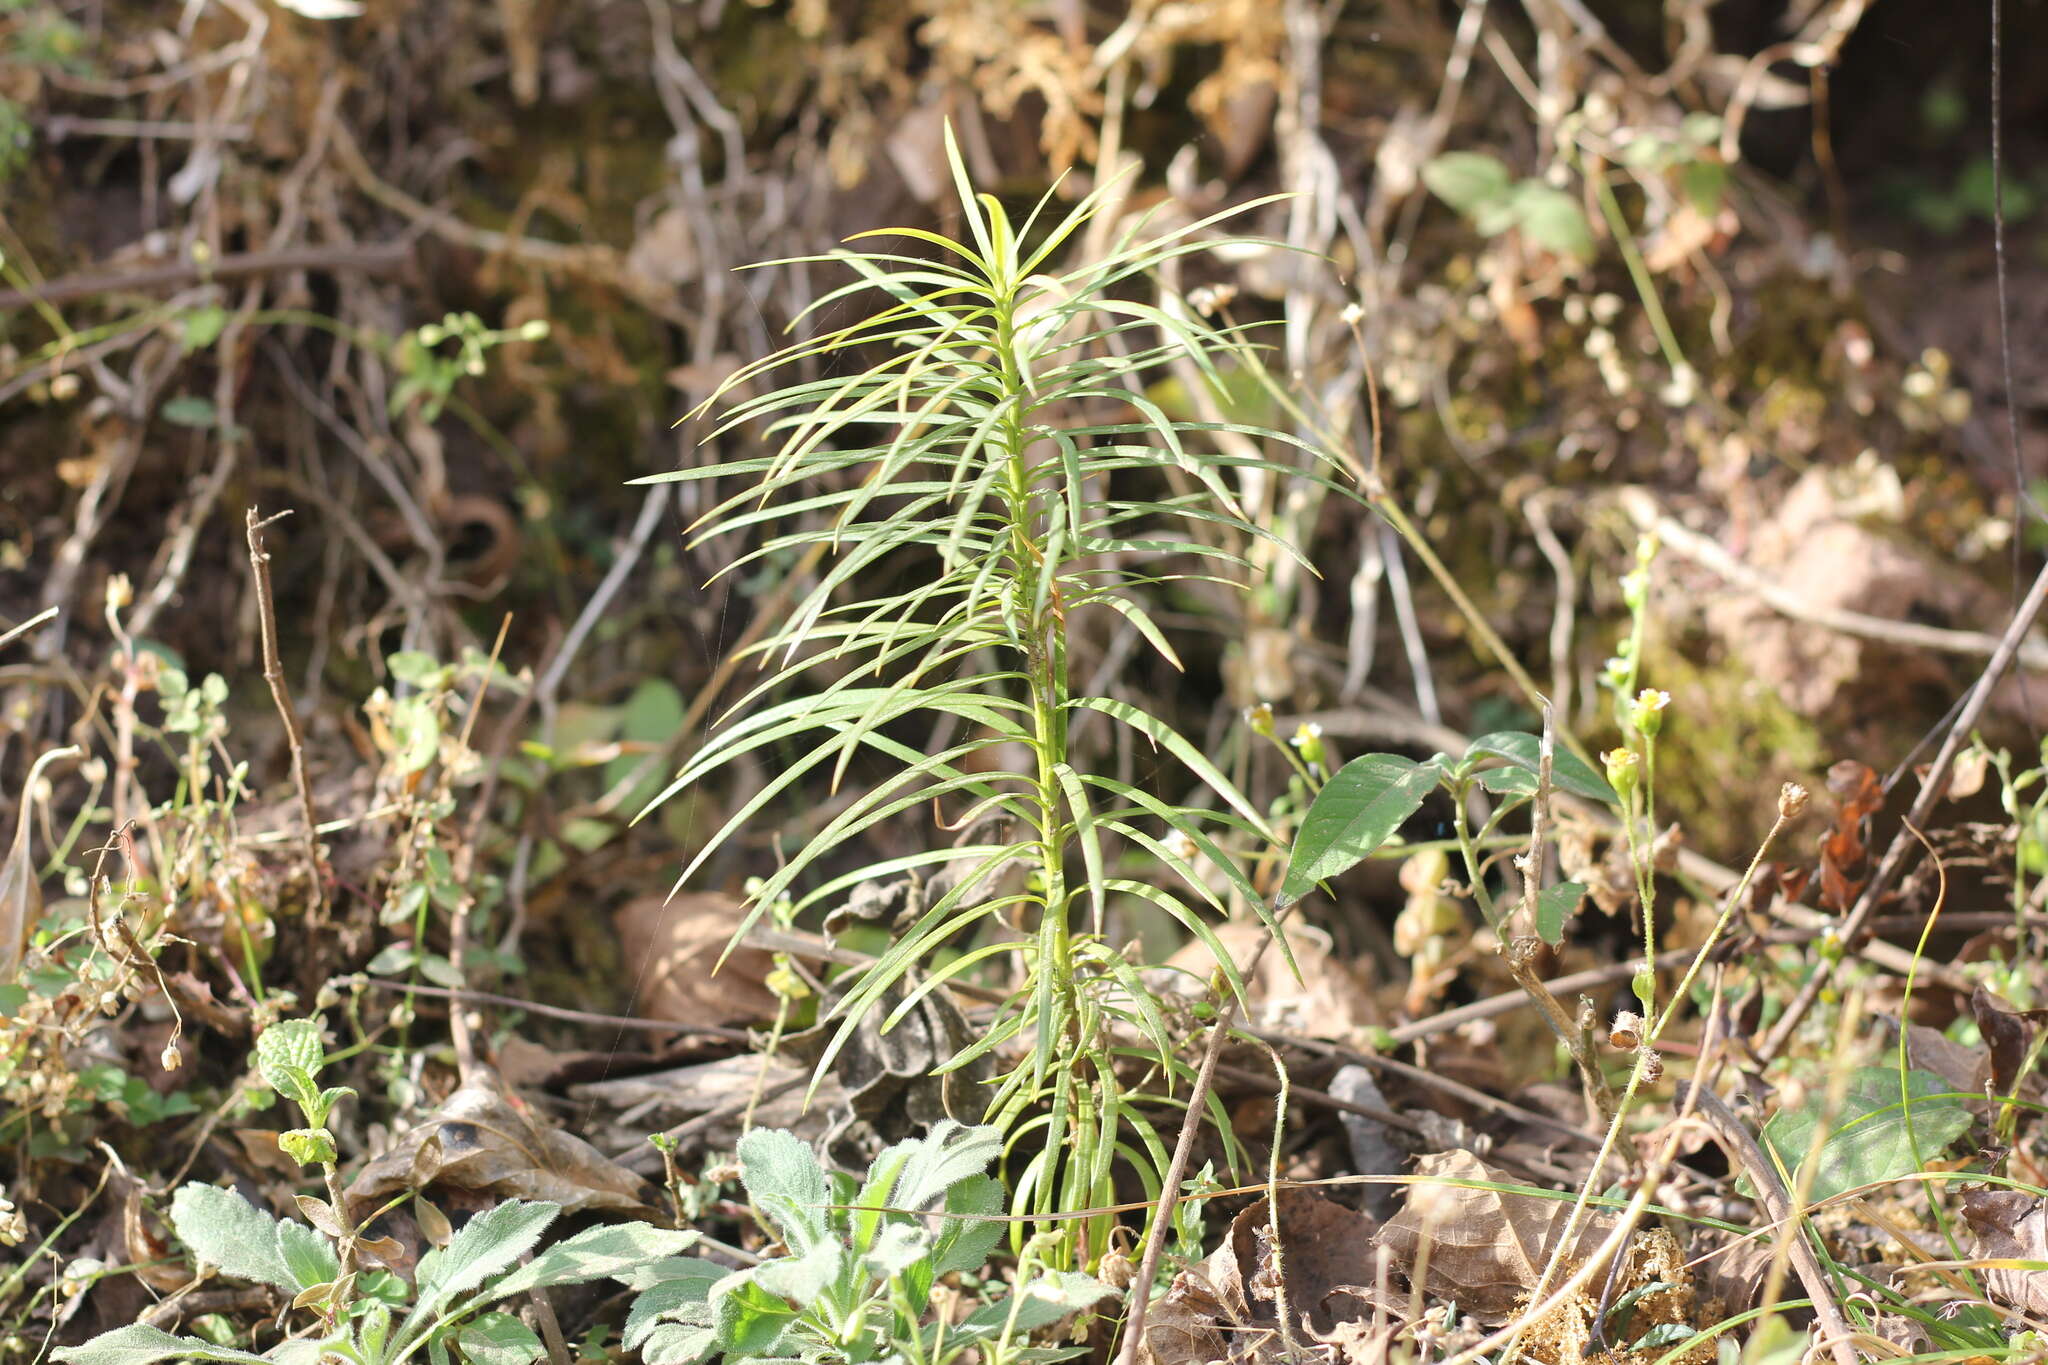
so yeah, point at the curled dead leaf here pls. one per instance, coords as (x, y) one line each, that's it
(2011, 1226)
(1227, 1308)
(485, 1141)
(21, 897)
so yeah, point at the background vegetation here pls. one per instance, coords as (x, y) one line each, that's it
(1586, 457)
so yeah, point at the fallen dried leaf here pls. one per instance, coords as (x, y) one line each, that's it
(1327, 1000)
(680, 942)
(2012, 1226)
(484, 1140)
(2008, 1033)
(1487, 1248)
(1227, 1307)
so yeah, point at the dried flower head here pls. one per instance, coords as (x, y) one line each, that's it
(1626, 1033)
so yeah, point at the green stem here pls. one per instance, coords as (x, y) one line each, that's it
(1469, 848)
(1036, 610)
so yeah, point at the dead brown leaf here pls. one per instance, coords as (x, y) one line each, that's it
(2009, 1225)
(486, 1141)
(1329, 1000)
(1487, 1248)
(2008, 1033)
(680, 942)
(1228, 1307)
(21, 897)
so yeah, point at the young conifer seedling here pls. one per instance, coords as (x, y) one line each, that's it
(980, 464)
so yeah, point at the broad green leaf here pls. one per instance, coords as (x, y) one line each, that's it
(594, 1254)
(191, 410)
(900, 1246)
(307, 1255)
(652, 715)
(414, 666)
(1357, 810)
(675, 1344)
(225, 1230)
(787, 1184)
(488, 1244)
(290, 1042)
(800, 1280)
(1508, 781)
(1523, 750)
(1467, 181)
(1555, 905)
(498, 1339)
(966, 1243)
(296, 1084)
(1872, 1138)
(750, 1320)
(141, 1344)
(202, 327)
(941, 1159)
(685, 1296)
(1553, 220)
(416, 730)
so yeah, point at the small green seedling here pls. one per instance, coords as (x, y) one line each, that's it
(855, 1281)
(372, 1317)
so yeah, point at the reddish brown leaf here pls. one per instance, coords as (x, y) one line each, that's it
(1858, 795)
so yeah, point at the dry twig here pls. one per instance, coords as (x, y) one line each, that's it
(273, 673)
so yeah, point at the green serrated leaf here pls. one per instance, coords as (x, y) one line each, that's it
(1555, 905)
(142, 1344)
(784, 1180)
(750, 1321)
(487, 1245)
(947, 1155)
(799, 1280)
(597, 1253)
(290, 1043)
(225, 1230)
(1871, 1138)
(683, 1296)
(1049, 1298)
(307, 1255)
(307, 1146)
(676, 1344)
(1357, 810)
